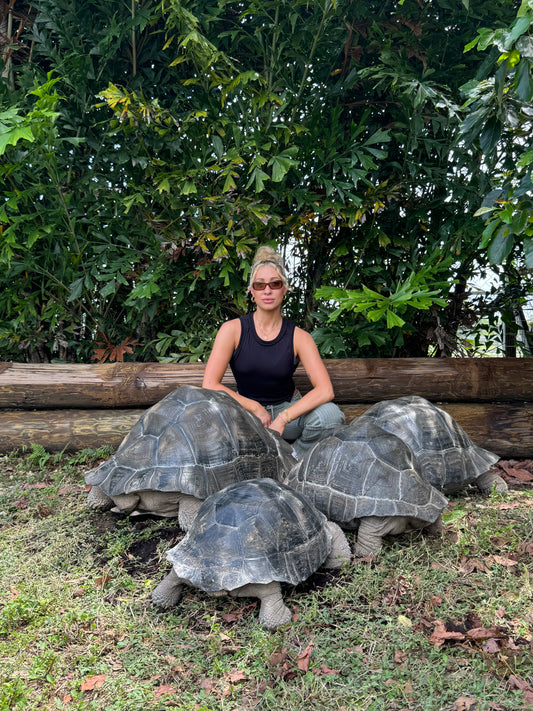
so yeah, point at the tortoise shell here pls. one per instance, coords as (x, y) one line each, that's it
(362, 470)
(258, 531)
(448, 458)
(194, 441)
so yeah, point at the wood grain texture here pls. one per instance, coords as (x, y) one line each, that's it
(506, 429)
(355, 380)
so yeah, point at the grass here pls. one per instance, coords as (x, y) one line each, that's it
(429, 624)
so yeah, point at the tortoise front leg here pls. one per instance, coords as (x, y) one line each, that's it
(340, 548)
(486, 481)
(188, 508)
(169, 591)
(373, 528)
(273, 611)
(96, 499)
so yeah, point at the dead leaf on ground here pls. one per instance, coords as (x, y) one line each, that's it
(207, 685)
(164, 690)
(303, 660)
(469, 565)
(400, 657)
(508, 562)
(237, 615)
(515, 472)
(441, 634)
(279, 657)
(515, 682)
(464, 703)
(93, 682)
(324, 670)
(281, 661)
(236, 676)
(485, 633)
(526, 547)
(491, 646)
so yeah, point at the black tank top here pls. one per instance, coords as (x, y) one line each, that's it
(263, 370)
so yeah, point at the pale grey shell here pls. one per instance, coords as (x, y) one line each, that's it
(194, 441)
(362, 470)
(448, 458)
(257, 531)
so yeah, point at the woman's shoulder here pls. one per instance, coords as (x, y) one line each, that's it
(304, 342)
(231, 326)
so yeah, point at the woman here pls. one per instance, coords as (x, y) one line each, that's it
(263, 349)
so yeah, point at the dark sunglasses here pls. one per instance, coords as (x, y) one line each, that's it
(261, 285)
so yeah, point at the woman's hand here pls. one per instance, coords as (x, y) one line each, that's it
(278, 425)
(259, 411)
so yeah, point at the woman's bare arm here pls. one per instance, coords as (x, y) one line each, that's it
(322, 389)
(225, 343)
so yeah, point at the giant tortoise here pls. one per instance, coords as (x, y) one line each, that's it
(448, 458)
(190, 444)
(364, 477)
(247, 539)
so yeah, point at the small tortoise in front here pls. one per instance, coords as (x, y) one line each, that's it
(249, 538)
(190, 444)
(448, 458)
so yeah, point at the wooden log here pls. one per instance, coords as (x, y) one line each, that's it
(41, 386)
(69, 430)
(504, 429)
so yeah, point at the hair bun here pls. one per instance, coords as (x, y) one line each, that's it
(267, 254)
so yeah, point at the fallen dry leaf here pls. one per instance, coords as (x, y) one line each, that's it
(323, 670)
(164, 690)
(491, 646)
(508, 562)
(400, 657)
(515, 474)
(93, 682)
(526, 547)
(441, 634)
(469, 565)
(207, 685)
(237, 615)
(236, 676)
(303, 660)
(484, 633)
(436, 600)
(279, 657)
(515, 682)
(464, 703)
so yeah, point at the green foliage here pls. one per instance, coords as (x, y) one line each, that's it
(499, 120)
(146, 149)
(412, 293)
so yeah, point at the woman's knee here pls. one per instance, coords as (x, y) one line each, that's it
(325, 417)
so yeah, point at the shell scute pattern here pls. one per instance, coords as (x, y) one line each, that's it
(257, 531)
(362, 470)
(448, 458)
(194, 441)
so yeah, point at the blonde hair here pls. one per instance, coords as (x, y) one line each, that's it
(268, 257)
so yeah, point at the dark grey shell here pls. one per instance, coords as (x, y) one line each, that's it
(363, 470)
(447, 456)
(258, 531)
(194, 441)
